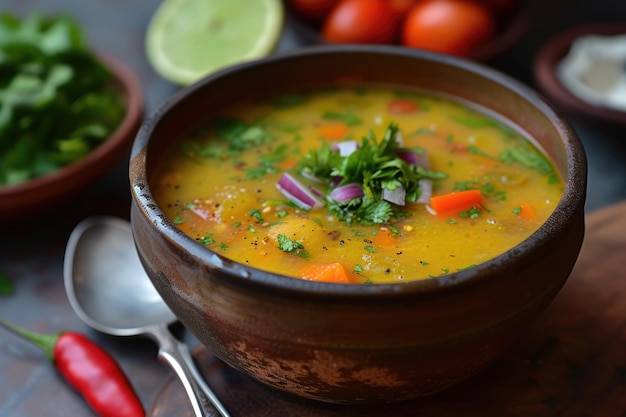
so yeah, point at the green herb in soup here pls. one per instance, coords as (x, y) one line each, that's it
(367, 185)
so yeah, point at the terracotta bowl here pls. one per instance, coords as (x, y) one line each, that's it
(52, 190)
(358, 343)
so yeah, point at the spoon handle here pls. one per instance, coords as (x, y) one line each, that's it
(176, 354)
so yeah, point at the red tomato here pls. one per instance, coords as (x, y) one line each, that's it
(313, 11)
(454, 27)
(360, 21)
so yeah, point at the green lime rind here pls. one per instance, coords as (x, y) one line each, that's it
(189, 39)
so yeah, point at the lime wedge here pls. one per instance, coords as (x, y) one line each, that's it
(189, 39)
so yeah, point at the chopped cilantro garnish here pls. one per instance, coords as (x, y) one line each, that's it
(257, 215)
(357, 268)
(422, 131)
(528, 157)
(266, 163)
(376, 166)
(57, 101)
(349, 119)
(207, 239)
(473, 213)
(291, 246)
(486, 188)
(233, 136)
(476, 151)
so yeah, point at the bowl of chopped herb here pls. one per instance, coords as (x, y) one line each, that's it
(358, 224)
(67, 114)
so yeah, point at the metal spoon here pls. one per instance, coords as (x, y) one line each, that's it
(110, 291)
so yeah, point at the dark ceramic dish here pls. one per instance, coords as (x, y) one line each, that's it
(358, 343)
(551, 54)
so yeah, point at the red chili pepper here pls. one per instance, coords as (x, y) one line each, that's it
(89, 369)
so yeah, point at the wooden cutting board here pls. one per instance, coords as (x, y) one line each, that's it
(571, 363)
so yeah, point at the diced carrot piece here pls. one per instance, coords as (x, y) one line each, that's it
(402, 106)
(288, 164)
(334, 131)
(334, 272)
(385, 237)
(527, 212)
(456, 201)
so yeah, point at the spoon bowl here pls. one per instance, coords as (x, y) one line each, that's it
(104, 281)
(109, 290)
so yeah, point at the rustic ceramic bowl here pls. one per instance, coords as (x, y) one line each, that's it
(358, 343)
(50, 191)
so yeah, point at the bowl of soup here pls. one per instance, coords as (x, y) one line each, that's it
(358, 224)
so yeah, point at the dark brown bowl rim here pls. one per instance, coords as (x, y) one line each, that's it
(234, 274)
(111, 150)
(549, 56)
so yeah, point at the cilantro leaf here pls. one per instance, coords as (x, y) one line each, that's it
(528, 157)
(376, 167)
(233, 137)
(291, 246)
(46, 75)
(349, 119)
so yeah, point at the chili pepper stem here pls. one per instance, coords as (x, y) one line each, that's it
(43, 341)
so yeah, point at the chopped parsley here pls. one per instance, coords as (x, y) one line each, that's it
(207, 239)
(376, 167)
(57, 100)
(349, 119)
(291, 246)
(257, 215)
(233, 137)
(527, 156)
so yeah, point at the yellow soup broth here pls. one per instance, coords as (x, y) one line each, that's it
(219, 186)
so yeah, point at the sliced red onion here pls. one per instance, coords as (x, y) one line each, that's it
(346, 147)
(297, 193)
(426, 187)
(397, 196)
(316, 192)
(347, 193)
(414, 158)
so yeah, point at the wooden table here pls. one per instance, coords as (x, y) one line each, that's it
(32, 254)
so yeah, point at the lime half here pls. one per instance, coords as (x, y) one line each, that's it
(189, 39)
